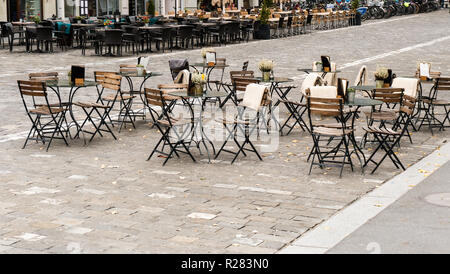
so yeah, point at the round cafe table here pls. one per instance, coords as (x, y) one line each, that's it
(197, 118)
(309, 70)
(56, 85)
(366, 88)
(129, 76)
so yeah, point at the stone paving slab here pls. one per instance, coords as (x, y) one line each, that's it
(105, 198)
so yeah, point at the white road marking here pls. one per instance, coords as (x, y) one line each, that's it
(332, 231)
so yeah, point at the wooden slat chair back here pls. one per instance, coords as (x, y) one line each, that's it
(443, 83)
(41, 131)
(112, 81)
(43, 76)
(127, 68)
(168, 88)
(99, 76)
(388, 95)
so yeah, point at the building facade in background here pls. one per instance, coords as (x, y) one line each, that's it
(14, 10)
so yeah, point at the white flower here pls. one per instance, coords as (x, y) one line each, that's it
(198, 78)
(265, 65)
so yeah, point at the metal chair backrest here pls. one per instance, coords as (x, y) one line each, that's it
(44, 33)
(280, 22)
(245, 66)
(177, 65)
(113, 37)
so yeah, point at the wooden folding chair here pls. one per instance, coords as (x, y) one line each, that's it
(433, 102)
(46, 120)
(245, 126)
(382, 135)
(166, 124)
(322, 154)
(109, 82)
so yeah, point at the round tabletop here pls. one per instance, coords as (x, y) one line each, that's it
(208, 94)
(318, 71)
(364, 102)
(275, 80)
(67, 83)
(134, 74)
(363, 87)
(207, 65)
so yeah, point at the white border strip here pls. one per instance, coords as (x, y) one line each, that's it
(334, 230)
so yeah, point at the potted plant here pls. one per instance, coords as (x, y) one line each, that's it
(319, 66)
(265, 66)
(263, 31)
(381, 74)
(355, 6)
(140, 70)
(199, 80)
(146, 20)
(36, 19)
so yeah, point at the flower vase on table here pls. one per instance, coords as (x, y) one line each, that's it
(351, 96)
(265, 66)
(266, 76)
(379, 83)
(198, 80)
(140, 70)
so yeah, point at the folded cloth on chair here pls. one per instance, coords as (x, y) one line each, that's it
(182, 77)
(311, 80)
(253, 96)
(331, 78)
(408, 84)
(323, 92)
(361, 79)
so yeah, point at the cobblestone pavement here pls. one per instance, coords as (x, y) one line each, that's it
(106, 198)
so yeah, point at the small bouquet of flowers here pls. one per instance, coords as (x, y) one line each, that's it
(265, 66)
(145, 19)
(381, 74)
(107, 23)
(198, 79)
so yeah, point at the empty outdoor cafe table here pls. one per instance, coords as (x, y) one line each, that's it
(198, 133)
(57, 85)
(130, 75)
